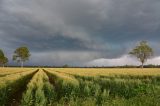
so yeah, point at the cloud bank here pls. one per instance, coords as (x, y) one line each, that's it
(79, 31)
(121, 61)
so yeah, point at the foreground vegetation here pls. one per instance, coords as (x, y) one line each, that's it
(12, 83)
(82, 87)
(109, 87)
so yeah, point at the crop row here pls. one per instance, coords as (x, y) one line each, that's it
(115, 90)
(39, 91)
(54, 88)
(109, 71)
(12, 83)
(8, 71)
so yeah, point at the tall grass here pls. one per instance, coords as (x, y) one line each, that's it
(121, 88)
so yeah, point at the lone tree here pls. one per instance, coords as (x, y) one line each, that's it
(21, 55)
(142, 51)
(3, 59)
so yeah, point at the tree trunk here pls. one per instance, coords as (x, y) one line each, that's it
(21, 64)
(142, 65)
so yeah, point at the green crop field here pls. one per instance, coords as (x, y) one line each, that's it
(79, 87)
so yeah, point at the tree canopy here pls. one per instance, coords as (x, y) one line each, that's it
(142, 51)
(21, 55)
(3, 58)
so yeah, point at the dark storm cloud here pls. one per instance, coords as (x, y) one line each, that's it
(80, 28)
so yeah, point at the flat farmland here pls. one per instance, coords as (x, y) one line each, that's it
(109, 71)
(79, 87)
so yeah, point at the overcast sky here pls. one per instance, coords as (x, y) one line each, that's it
(79, 32)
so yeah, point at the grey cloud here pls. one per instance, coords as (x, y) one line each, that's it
(108, 28)
(73, 58)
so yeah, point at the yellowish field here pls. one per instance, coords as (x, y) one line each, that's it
(59, 86)
(11, 78)
(62, 76)
(13, 70)
(108, 71)
(91, 71)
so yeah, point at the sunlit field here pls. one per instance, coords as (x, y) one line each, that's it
(79, 87)
(109, 71)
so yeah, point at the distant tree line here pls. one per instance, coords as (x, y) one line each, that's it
(124, 66)
(142, 52)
